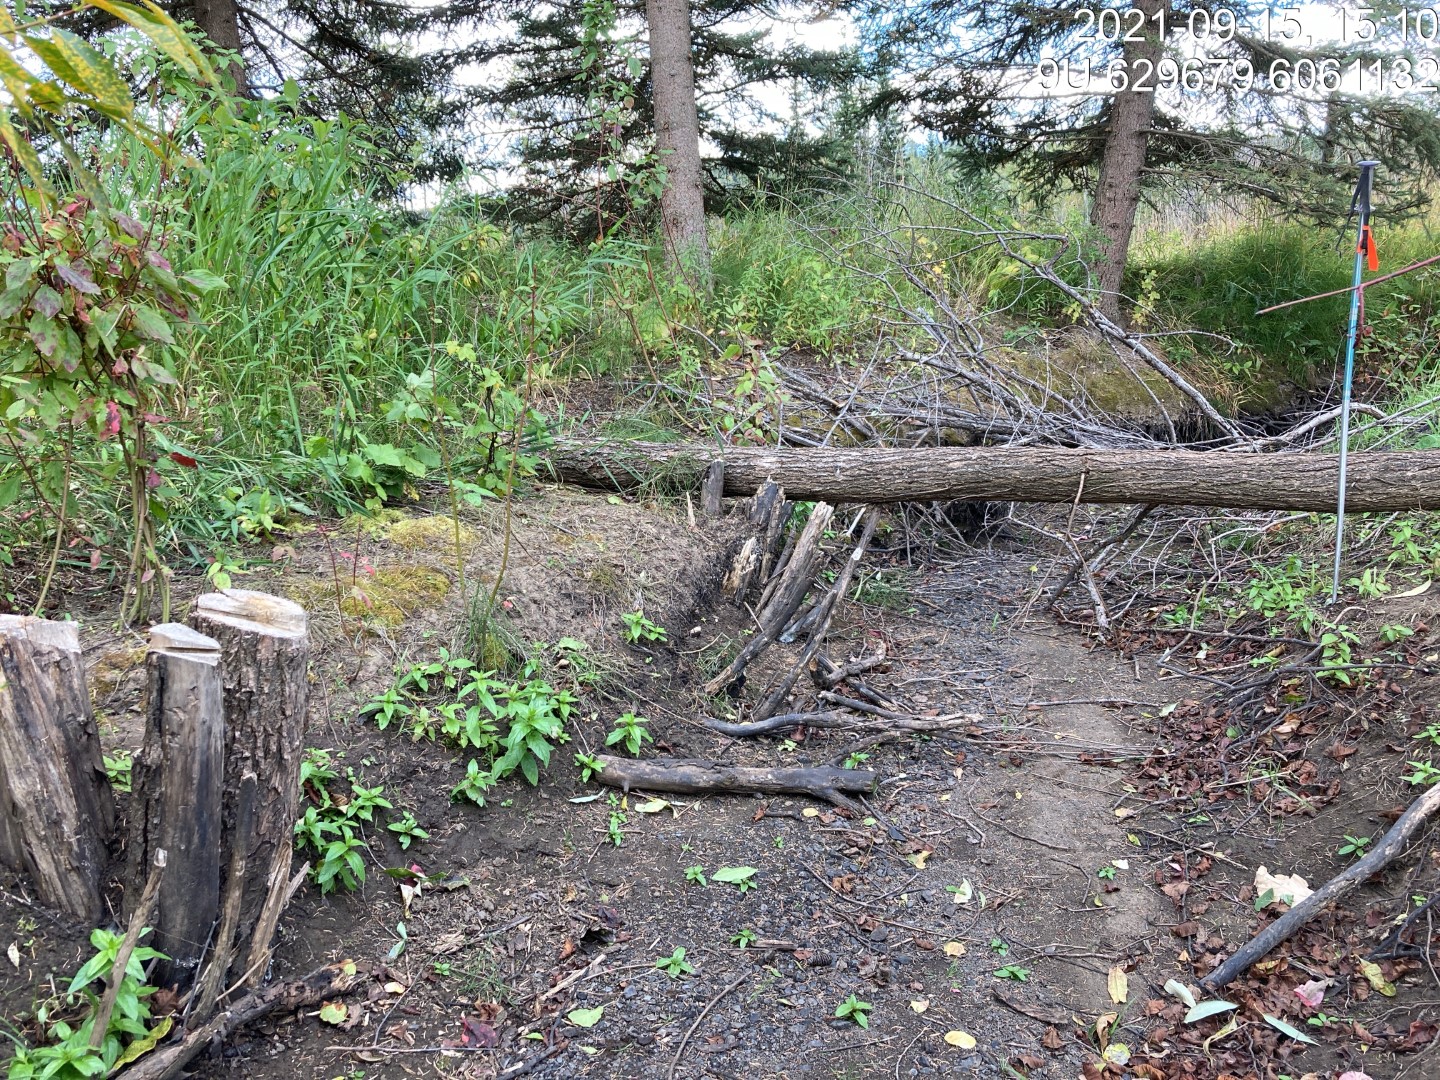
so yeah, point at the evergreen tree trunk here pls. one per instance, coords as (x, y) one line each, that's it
(677, 137)
(1118, 193)
(220, 20)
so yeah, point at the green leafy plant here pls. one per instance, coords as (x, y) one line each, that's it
(852, 1008)
(1394, 633)
(742, 877)
(1354, 845)
(744, 938)
(1425, 774)
(473, 785)
(855, 760)
(640, 629)
(675, 964)
(631, 732)
(1430, 733)
(1106, 873)
(589, 765)
(999, 946)
(407, 830)
(615, 830)
(1014, 972)
(69, 1055)
(118, 767)
(695, 874)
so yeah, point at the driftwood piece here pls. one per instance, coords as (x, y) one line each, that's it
(56, 809)
(266, 659)
(826, 674)
(779, 694)
(330, 981)
(177, 782)
(1289, 924)
(698, 777)
(787, 597)
(1378, 480)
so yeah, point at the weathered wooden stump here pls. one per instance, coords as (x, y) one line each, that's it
(56, 812)
(266, 656)
(178, 780)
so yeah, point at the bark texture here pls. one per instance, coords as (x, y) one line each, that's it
(1127, 137)
(677, 137)
(266, 658)
(220, 21)
(1378, 481)
(56, 810)
(177, 782)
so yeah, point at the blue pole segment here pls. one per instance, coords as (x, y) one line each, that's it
(1361, 207)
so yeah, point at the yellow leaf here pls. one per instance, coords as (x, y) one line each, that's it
(654, 806)
(94, 75)
(917, 860)
(1119, 985)
(394, 988)
(963, 1039)
(1376, 978)
(920, 1005)
(1123, 812)
(810, 811)
(142, 1046)
(954, 948)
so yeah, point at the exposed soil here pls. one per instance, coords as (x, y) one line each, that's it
(970, 903)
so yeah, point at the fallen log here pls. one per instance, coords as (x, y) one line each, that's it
(1378, 480)
(1289, 924)
(697, 777)
(329, 981)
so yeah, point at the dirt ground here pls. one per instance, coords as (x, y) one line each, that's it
(1014, 902)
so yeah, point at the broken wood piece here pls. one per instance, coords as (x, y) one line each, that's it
(56, 808)
(330, 981)
(786, 599)
(1289, 924)
(138, 918)
(840, 720)
(1378, 480)
(778, 695)
(712, 489)
(177, 781)
(696, 777)
(208, 991)
(266, 649)
(827, 675)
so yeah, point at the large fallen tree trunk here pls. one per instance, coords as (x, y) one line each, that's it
(1378, 481)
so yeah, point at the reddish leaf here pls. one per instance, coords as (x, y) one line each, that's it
(184, 459)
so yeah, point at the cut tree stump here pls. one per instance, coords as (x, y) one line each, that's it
(1378, 480)
(698, 777)
(177, 782)
(56, 809)
(266, 656)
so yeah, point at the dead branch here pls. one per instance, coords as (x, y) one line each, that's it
(699, 777)
(1288, 925)
(329, 981)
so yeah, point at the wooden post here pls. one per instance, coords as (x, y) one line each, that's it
(266, 659)
(56, 809)
(712, 488)
(177, 785)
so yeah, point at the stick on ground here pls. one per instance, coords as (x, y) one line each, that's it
(1289, 924)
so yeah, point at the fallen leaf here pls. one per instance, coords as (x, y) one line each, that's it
(962, 893)
(954, 948)
(1122, 812)
(586, 1018)
(920, 1005)
(334, 1012)
(1120, 864)
(394, 988)
(1188, 928)
(1206, 1009)
(1289, 889)
(963, 1039)
(810, 811)
(482, 1034)
(1376, 978)
(13, 952)
(1175, 988)
(1416, 591)
(1285, 1029)
(1312, 993)
(917, 860)
(1119, 986)
(1052, 1039)
(1116, 1054)
(1228, 1029)
(1353, 1076)
(654, 806)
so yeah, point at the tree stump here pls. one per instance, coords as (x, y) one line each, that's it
(177, 785)
(56, 809)
(266, 659)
